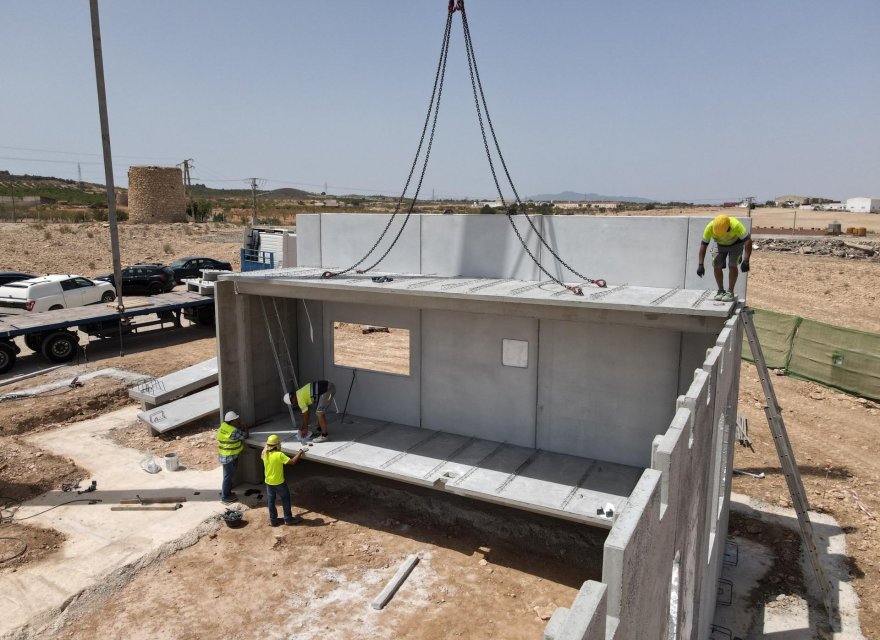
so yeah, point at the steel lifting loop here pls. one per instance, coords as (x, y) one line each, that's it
(328, 274)
(576, 291)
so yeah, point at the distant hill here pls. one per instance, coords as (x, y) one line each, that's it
(576, 197)
(288, 194)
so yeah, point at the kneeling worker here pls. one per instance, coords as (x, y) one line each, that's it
(274, 460)
(734, 246)
(320, 392)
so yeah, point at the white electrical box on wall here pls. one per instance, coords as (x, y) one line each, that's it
(515, 353)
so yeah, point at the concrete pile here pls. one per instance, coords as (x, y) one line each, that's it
(863, 249)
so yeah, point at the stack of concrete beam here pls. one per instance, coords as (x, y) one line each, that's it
(155, 194)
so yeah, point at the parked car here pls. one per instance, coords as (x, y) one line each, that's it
(13, 276)
(191, 267)
(48, 293)
(151, 279)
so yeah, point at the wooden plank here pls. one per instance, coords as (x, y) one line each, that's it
(394, 584)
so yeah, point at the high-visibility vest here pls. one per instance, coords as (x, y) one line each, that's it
(226, 446)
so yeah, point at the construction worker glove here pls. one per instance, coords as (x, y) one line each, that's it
(701, 271)
(745, 266)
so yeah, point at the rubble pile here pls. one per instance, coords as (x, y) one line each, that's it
(864, 249)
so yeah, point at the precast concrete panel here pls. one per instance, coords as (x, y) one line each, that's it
(310, 333)
(465, 387)
(375, 394)
(308, 240)
(345, 238)
(479, 246)
(695, 237)
(637, 250)
(604, 390)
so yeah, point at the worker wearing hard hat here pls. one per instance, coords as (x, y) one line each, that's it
(734, 248)
(274, 460)
(319, 393)
(230, 444)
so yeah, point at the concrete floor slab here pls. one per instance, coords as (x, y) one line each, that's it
(101, 543)
(563, 486)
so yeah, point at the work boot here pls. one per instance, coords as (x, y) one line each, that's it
(720, 294)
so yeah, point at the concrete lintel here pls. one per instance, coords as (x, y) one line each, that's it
(489, 304)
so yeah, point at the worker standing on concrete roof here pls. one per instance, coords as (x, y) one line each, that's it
(734, 246)
(274, 460)
(230, 444)
(320, 392)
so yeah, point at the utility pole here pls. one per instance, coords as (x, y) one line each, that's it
(187, 185)
(254, 193)
(108, 159)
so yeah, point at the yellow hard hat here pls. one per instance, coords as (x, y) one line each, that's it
(721, 225)
(273, 439)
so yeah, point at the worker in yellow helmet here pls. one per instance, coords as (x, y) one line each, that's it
(734, 247)
(274, 460)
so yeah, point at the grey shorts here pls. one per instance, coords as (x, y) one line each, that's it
(730, 255)
(325, 398)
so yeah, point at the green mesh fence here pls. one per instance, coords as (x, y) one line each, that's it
(846, 359)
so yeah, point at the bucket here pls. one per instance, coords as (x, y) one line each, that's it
(172, 462)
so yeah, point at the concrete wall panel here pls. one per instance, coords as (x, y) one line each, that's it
(479, 246)
(466, 389)
(345, 238)
(644, 251)
(605, 391)
(308, 240)
(695, 237)
(377, 395)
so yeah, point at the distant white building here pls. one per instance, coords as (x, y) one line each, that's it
(863, 205)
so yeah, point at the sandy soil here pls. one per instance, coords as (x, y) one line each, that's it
(824, 288)
(317, 579)
(834, 435)
(84, 248)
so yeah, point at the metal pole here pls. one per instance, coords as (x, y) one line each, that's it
(108, 159)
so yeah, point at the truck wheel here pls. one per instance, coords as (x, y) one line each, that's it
(60, 346)
(108, 296)
(205, 315)
(7, 357)
(34, 341)
(155, 289)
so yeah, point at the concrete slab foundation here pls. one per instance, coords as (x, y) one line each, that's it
(102, 545)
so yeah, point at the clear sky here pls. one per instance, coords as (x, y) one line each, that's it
(680, 99)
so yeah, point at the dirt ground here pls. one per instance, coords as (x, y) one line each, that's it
(345, 552)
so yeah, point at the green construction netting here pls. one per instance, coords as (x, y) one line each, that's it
(776, 333)
(846, 359)
(842, 358)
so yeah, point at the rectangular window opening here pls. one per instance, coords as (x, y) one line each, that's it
(371, 348)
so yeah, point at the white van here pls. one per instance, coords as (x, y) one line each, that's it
(48, 293)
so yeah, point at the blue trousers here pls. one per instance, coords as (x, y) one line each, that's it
(279, 491)
(228, 474)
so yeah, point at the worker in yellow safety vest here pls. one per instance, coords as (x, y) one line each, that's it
(274, 460)
(319, 393)
(734, 248)
(230, 444)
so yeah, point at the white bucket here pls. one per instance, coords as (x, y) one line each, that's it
(172, 462)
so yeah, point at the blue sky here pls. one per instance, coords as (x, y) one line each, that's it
(682, 99)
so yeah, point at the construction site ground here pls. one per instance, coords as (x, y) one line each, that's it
(303, 581)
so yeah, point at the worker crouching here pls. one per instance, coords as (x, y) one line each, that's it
(273, 463)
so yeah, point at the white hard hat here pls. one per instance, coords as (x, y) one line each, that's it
(230, 416)
(286, 398)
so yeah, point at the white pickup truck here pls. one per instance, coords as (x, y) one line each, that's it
(48, 293)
